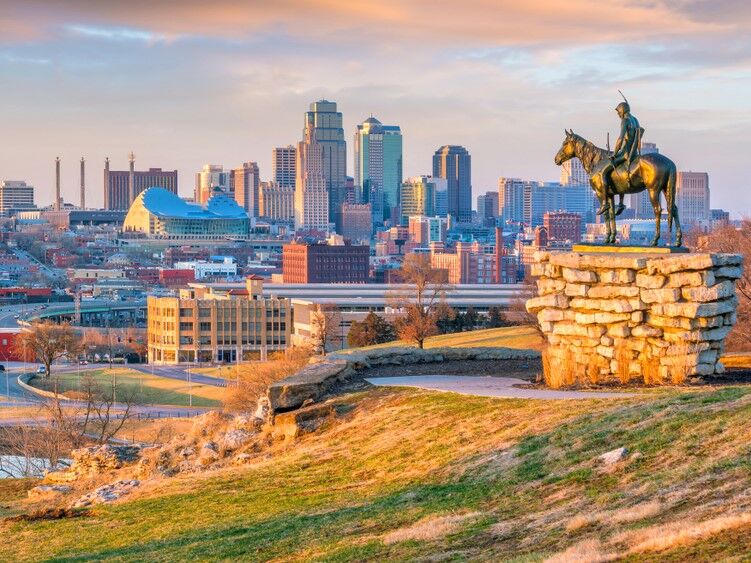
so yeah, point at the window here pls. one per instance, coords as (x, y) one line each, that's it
(184, 312)
(186, 326)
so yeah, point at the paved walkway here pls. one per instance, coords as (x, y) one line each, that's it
(486, 386)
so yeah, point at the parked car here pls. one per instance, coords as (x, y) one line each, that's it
(41, 369)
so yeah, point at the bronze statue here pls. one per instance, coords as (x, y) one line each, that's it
(625, 171)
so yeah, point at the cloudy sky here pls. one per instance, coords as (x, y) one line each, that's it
(191, 82)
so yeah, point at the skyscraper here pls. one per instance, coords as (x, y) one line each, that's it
(15, 195)
(378, 166)
(324, 125)
(210, 177)
(283, 162)
(454, 164)
(511, 200)
(573, 173)
(311, 195)
(693, 197)
(423, 195)
(487, 207)
(243, 184)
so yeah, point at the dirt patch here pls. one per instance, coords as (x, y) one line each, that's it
(522, 369)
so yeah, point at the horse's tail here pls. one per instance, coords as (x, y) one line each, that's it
(670, 198)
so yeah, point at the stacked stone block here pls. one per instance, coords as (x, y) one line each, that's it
(619, 316)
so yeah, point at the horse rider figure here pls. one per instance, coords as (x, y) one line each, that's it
(627, 151)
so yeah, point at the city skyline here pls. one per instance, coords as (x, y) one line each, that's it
(96, 81)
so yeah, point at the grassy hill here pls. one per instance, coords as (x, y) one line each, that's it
(412, 474)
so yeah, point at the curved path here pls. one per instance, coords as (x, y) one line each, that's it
(487, 386)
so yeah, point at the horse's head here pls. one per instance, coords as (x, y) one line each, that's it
(566, 151)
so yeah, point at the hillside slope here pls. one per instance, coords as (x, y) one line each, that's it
(409, 474)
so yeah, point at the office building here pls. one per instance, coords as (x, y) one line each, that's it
(563, 226)
(378, 167)
(311, 195)
(454, 164)
(118, 184)
(573, 173)
(424, 230)
(487, 208)
(423, 195)
(210, 178)
(205, 324)
(283, 166)
(158, 213)
(275, 202)
(325, 263)
(243, 185)
(323, 124)
(15, 195)
(355, 222)
(511, 193)
(692, 193)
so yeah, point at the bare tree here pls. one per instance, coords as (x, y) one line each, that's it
(326, 326)
(734, 240)
(422, 300)
(48, 342)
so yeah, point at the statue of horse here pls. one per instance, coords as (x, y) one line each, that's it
(652, 172)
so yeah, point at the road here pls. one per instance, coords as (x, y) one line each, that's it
(486, 386)
(179, 372)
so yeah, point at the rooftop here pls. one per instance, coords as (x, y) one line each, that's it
(163, 203)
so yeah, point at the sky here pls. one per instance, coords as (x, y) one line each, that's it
(193, 82)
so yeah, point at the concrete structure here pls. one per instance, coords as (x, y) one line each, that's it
(83, 183)
(655, 318)
(15, 195)
(423, 195)
(243, 185)
(58, 199)
(355, 222)
(693, 198)
(117, 184)
(563, 225)
(378, 167)
(325, 263)
(160, 214)
(323, 125)
(206, 324)
(210, 178)
(276, 202)
(68, 218)
(284, 166)
(311, 193)
(454, 164)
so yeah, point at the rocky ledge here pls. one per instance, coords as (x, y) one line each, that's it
(617, 317)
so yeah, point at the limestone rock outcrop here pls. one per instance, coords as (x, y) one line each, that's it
(614, 317)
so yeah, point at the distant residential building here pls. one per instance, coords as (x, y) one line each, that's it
(311, 194)
(276, 202)
(487, 207)
(221, 267)
(206, 324)
(563, 226)
(692, 193)
(469, 263)
(325, 263)
(15, 194)
(208, 180)
(174, 277)
(284, 166)
(323, 124)
(573, 173)
(378, 166)
(424, 195)
(116, 184)
(243, 185)
(356, 222)
(157, 213)
(424, 230)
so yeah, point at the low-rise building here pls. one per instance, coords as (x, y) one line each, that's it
(220, 267)
(325, 263)
(208, 324)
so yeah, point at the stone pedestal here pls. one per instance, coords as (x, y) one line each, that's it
(656, 318)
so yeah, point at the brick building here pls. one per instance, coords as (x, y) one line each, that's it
(563, 225)
(325, 263)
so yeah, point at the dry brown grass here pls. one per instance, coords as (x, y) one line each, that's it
(650, 368)
(614, 517)
(623, 357)
(559, 371)
(429, 528)
(588, 550)
(253, 379)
